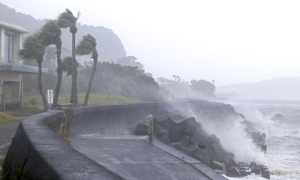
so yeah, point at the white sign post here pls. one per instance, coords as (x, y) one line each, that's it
(50, 96)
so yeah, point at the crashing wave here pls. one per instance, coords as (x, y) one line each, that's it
(195, 138)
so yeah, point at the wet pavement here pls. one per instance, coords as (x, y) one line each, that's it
(134, 157)
(7, 132)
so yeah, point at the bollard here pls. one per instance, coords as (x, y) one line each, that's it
(63, 126)
(150, 126)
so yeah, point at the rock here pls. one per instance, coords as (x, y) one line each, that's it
(186, 135)
(233, 172)
(265, 173)
(142, 129)
(254, 168)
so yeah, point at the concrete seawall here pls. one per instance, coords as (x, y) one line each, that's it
(117, 119)
(38, 152)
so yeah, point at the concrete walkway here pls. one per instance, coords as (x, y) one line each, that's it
(134, 157)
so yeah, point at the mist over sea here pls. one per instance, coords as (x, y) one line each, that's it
(280, 120)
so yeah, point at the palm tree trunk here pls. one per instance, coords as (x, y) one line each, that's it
(40, 84)
(59, 73)
(74, 98)
(90, 83)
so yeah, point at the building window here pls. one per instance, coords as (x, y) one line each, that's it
(8, 48)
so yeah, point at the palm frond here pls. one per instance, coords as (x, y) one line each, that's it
(66, 19)
(67, 65)
(50, 32)
(86, 45)
(32, 48)
(78, 15)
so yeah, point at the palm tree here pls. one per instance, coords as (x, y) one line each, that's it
(68, 20)
(86, 46)
(67, 65)
(34, 49)
(51, 34)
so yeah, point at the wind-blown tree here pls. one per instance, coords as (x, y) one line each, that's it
(34, 49)
(51, 34)
(68, 20)
(87, 46)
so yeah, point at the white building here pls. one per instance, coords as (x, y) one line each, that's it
(11, 66)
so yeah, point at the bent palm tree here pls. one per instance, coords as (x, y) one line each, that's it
(34, 49)
(51, 34)
(68, 20)
(86, 46)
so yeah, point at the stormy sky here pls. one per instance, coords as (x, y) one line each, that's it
(225, 41)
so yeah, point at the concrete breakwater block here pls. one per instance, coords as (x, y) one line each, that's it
(186, 135)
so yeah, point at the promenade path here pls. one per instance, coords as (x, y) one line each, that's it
(134, 157)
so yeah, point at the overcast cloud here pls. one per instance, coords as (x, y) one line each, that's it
(225, 41)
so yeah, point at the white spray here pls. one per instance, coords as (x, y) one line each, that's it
(251, 114)
(233, 136)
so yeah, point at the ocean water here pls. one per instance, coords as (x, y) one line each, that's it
(280, 120)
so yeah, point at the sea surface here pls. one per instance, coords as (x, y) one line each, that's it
(280, 120)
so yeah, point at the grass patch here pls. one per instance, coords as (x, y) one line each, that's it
(35, 100)
(6, 117)
(66, 137)
(33, 104)
(26, 111)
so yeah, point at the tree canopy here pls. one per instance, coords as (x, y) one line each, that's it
(204, 87)
(67, 65)
(33, 48)
(67, 19)
(50, 32)
(86, 45)
(122, 80)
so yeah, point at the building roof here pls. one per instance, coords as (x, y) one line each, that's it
(21, 69)
(14, 27)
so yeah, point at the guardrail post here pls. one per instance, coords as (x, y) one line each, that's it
(150, 126)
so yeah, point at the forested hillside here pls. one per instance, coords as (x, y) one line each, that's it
(110, 78)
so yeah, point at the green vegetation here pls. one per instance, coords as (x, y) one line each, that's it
(33, 49)
(51, 34)
(6, 117)
(68, 20)
(204, 87)
(112, 84)
(109, 83)
(31, 101)
(14, 174)
(180, 88)
(67, 138)
(125, 81)
(87, 46)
